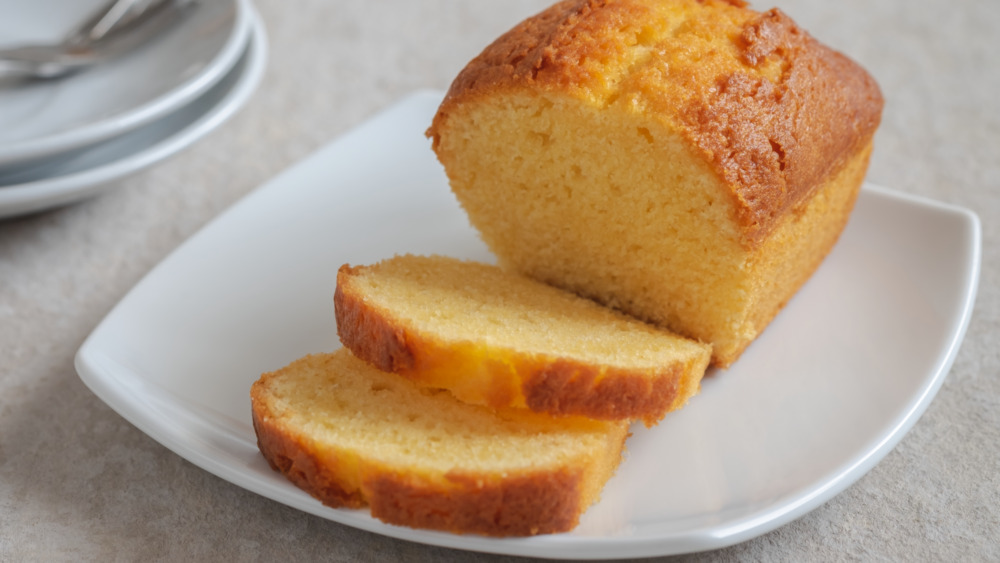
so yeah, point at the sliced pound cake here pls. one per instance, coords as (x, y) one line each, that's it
(501, 339)
(351, 435)
(690, 162)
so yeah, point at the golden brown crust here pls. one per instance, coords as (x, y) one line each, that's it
(524, 505)
(820, 220)
(366, 333)
(770, 108)
(775, 142)
(293, 458)
(567, 387)
(547, 49)
(543, 383)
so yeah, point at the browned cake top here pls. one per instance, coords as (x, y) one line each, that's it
(769, 107)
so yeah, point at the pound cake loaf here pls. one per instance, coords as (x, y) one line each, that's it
(351, 435)
(501, 339)
(690, 162)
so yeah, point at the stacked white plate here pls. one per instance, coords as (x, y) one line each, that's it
(67, 139)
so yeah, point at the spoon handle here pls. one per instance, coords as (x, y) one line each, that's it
(111, 18)
(119, 26)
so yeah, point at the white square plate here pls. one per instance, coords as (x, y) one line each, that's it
(830, 388)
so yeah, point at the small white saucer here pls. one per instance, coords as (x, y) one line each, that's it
(45, 118)
(88, 172)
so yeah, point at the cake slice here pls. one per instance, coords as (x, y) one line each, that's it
(503, 340)
(352, 435)
(690, 162)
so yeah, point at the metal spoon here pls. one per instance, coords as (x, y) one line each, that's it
(117, 27)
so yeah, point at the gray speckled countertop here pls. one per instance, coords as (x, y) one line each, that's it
(79, 482)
